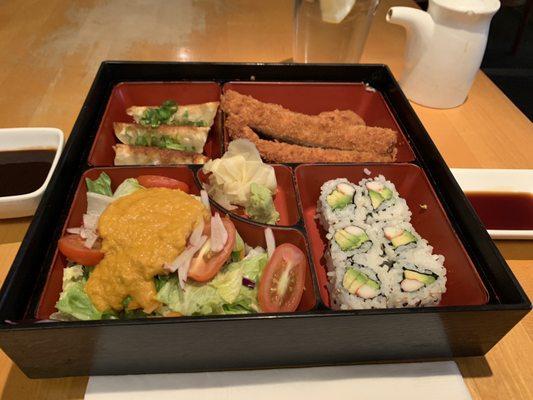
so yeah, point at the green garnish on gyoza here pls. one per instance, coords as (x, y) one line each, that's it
(159, 115)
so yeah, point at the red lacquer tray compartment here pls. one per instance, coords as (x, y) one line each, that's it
(284, 199)
(252, 234)
(129, 94)
(464, 286)
(313, 98)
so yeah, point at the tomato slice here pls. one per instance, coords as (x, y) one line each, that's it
(71, 246)
(151, 181)
(205, 265)
(282, 282)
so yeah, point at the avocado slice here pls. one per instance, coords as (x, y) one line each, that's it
(405, 238)
(373, 284)
(386, 193)
(375, 198)
(342, 239)
(349, 241)
(426, 279)
(379, 196)
(353, 280)
(338, 200)
(341, 196)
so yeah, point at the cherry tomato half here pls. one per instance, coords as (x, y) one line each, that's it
(282, 282)
(205, 265)
(72, 247)
(151, 181)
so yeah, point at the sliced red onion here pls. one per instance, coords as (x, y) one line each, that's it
(205, 199)
(248, 283)
(270, 242)
(183, 262)
(219, 234)
(97, 203)
(92, 237)
(183, 269)
(197, 233)
(185, 255)
(90, 221)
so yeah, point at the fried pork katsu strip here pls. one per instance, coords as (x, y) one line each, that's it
(342, 117)
(276, 122)
(292, 153)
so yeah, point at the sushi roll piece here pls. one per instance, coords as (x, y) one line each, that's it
(417, 281)
(348, 240)
(399, 238)
(383, 201)
(356, 243)
(355, 286)
(336, 203)
(341, 196)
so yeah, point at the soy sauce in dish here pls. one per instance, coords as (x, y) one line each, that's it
(503, 210)
(24, 171)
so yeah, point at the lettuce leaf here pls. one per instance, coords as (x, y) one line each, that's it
(236, 308)
(225, 294)
(128, 186)
(228, 283)
(73, 274)
(252, 268)
(74, 301)
(254, 263)
(247, 300)
(101, 185)
(195, 299)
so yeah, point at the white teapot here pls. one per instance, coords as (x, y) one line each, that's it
(444, 50)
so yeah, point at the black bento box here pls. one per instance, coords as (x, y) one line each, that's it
(316, 337)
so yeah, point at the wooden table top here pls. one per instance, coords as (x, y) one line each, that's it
(50, 53)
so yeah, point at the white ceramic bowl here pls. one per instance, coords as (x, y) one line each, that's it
(28, 138)
(497, 180)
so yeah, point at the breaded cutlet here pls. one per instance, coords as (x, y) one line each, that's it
(333, 130)
(291, 153)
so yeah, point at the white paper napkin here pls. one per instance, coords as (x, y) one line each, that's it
(413, 381)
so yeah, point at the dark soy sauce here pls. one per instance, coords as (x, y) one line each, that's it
(24, 171)
(503, 210)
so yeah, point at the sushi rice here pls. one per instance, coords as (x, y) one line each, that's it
(375, 257)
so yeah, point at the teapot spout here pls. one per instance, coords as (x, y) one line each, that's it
(417, 22)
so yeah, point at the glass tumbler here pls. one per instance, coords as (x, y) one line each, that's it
(331, 31)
